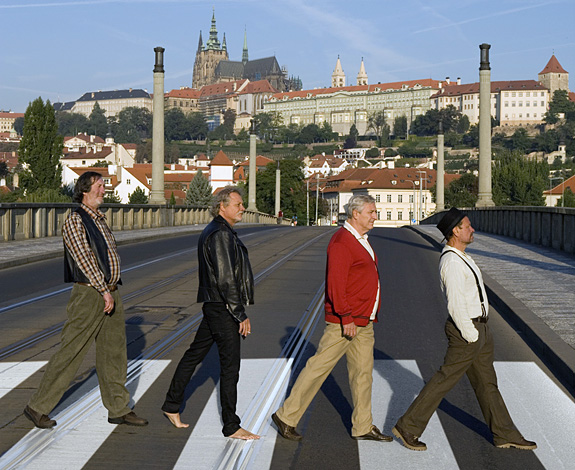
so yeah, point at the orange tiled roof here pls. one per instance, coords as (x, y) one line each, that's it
(11, 115)
(558, 190)
(553, 66)
(221, 159)
(222, 88)
(470, 88)
(188, 93)
(260, 86)
(85, 155)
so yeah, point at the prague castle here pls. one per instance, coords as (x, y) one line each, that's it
(212, 65)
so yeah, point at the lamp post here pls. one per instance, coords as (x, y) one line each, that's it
(414, 206)
(551, 178)
(421, 191)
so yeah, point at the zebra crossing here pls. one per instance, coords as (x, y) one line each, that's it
(541, 410)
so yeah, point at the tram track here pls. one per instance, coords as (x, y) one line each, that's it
(36, 441)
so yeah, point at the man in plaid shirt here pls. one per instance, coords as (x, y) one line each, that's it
(95, 312)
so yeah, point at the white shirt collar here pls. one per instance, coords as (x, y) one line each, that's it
(353, 231)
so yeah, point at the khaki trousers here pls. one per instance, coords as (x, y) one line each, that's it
(87, 323)
(475, 360)
(332, 346)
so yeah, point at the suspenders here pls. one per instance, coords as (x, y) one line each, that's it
(481, 298)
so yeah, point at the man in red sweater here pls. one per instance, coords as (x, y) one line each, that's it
(352, 298)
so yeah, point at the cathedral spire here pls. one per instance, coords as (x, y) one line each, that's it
(245, 51)
(200, 43)
(224, 47)
(362, 76)
(338, 76)
(213, 42)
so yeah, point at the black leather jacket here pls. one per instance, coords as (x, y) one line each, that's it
(225, 270)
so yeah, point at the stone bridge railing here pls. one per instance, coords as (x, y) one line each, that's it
(552, 227)
(24, 221)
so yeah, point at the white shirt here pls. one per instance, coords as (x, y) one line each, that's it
(367, 246)
(460, 291)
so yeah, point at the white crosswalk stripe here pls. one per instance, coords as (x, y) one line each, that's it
(13, 374)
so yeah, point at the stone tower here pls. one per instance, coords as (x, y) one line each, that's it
(554, 77)
(362, 76)
(208, 57)
(338, 77)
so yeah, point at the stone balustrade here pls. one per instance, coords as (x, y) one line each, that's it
(36, 220)
(553, 227)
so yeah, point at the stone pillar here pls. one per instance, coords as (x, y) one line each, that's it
(278, 187)
(440, 187)
(253, 169)
(485, 197)
(157, 193)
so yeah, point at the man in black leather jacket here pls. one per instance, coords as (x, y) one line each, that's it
(226, 287)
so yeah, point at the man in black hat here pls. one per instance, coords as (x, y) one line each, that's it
(470, 349)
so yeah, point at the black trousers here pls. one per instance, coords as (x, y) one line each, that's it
(217, 326)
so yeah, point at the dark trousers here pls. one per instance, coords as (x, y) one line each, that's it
(217, 326)
(475, 360)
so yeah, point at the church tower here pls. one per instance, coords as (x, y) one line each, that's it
(362, 76)
(338, 77)
(245, 57)
(554, 77)
(208, 56)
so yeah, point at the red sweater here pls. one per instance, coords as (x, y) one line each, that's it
(351, 281)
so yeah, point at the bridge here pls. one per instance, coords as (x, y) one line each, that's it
(531, 289)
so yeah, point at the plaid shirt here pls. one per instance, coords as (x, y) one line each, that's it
(74, 234)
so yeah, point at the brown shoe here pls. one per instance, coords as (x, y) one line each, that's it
(131, 419)
(523, 444)
(409, 440)
(285, 430)
(374, 435)
(39, 420)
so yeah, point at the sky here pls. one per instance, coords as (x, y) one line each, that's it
(61, 49)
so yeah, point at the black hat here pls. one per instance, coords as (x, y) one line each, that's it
(450, 221)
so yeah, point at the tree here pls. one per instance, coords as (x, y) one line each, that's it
(71, 124)
(461, 192)
(112, 198)
(171, 153)
(200, 191)
(463, 124)
(267, 124)
(471, 138)
(172, 201)
(40, 148)
(176, 125)
(198, 128)
(520, 140)
(400, 127)
(560, 103)
(138, 197)
(517, 181)
(132, 125)
(4, 171)
(19, 125)
(309, 134)
(230, 120)
(98, 124)
(351, 141)
(292, 191)
(568, 199)
(376, 122)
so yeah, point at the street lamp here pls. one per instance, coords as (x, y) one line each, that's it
(421, 189)
(551, 178)
(414, 205)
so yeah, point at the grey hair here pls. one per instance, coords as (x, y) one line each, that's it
(223, 196)
(356, 203)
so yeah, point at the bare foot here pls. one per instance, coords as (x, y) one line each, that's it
(243, 434)
(175, 420)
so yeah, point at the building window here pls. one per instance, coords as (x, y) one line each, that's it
(128, 181)
(410, 215)
(377, 198)
(542, 103)
(399, 198)
(378, 215)
(389, 198)
(399, 215)
(411, 198)
(388, 215)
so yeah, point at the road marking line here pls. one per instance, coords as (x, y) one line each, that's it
(13, 374)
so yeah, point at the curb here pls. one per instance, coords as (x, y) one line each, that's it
(547, 344)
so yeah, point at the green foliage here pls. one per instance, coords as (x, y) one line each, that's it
(520, 140)
(71, 124)
(98, 124)
(376, 122)
(351, 141)
(172, 201)
(517, 181)
(40, 148)
(268, 125)
(175, 125)
(243, 135)
(19, 125)
(568, 199)
(390, 153)
(101, 164)
(46, 195)
(230, 120)
(113, 198)
(400, 127)
(4, 171)
(471, 138)
(461, 192)
(138, 197)
(560, 103)
(411, 149)
(200, 191)
(292, 191)
(132, 125)
(171, 152)
(372, 153)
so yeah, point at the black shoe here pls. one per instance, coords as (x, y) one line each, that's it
(409, 440)
(286, 431)
(523, 444)
(374, 435)
(131, 419)
(39, 420)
